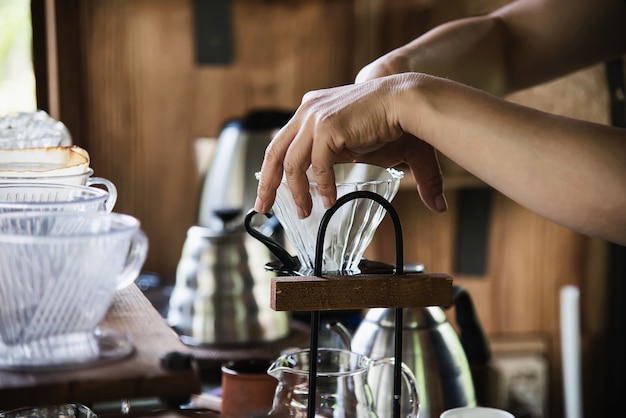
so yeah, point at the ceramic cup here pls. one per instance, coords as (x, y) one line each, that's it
(247, 389)
(476, 412)
(58, 165)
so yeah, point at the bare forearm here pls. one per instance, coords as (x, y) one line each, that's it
(520, 45)
(469, 51)
(569, 171)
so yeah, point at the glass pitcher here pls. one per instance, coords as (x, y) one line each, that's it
(342, 387)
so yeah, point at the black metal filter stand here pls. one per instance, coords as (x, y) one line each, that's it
(315, 315)
(389, 287)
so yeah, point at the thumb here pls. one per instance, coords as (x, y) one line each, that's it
(424, 165)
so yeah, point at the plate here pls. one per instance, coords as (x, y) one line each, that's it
(68, 352)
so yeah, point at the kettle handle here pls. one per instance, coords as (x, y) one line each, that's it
(473, 339)
(289, 263)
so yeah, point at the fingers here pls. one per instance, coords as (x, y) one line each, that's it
(297, 161)
(315, 147)
(271, 175)
(288, 152)
(272, 167)
(323, 158)
(424, 164)
(322, 129)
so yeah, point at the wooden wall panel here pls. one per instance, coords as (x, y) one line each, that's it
(147, 100)
(143, 100)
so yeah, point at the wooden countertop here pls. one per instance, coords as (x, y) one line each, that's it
(138, 376)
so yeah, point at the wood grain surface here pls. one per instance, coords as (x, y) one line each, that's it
(311, 293)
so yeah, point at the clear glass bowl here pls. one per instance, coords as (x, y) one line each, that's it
(59, 272)
(45, 197)
(57, 411)
(350, 229)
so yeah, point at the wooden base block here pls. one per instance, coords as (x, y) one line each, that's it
(312, 293)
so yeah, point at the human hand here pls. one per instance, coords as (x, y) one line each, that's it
(353, 123)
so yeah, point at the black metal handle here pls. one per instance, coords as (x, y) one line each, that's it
(473, 339)
(289, 263)
(361, 194)
(315, 315)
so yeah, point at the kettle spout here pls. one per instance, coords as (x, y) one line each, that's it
(341, 331)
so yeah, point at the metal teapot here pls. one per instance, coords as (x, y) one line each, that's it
(229, 183)
(221, 291)
(221, 295)
(432, 349)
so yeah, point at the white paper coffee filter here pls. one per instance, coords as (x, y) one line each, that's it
(43, 161)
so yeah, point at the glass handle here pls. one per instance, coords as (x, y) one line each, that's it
(409, 379)
(110, 188)
(136, 257)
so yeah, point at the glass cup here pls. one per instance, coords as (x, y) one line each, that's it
(46, 197)
(59, 272)
(81, 179)
(342, 390)
(350, 229)
(56, 411)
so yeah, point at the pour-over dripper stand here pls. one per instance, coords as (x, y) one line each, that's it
(322, 292)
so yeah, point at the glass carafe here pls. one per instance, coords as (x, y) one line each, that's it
(342, 384)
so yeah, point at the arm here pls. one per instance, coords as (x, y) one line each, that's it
(569, 171)
(520, 45)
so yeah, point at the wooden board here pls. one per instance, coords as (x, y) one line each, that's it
(138, 376)
(312, 293)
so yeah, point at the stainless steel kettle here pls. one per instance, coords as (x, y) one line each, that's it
(432, 349)
(221, 295)
(229, 184)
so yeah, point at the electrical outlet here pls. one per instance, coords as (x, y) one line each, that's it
(522, 384)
